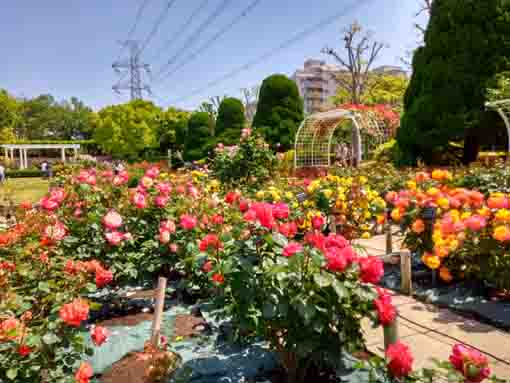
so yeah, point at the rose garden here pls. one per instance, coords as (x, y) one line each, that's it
(212, 247)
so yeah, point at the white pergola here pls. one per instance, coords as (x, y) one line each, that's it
(503, 108)
(312, 147)
(10, 151)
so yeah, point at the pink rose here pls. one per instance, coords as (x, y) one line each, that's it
(140, 200)
(112, 220)
(161, 201)
(188, 222)
(292, 249)
(471, 363)
(114, 238)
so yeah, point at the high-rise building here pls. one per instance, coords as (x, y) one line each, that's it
(317, 84)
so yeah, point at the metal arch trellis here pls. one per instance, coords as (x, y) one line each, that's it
(503, 108)
(313, 140)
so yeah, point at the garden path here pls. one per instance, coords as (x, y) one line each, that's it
(431, 331)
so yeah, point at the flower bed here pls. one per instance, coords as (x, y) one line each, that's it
(267, 257)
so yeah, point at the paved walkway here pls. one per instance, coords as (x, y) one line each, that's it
(431, 332)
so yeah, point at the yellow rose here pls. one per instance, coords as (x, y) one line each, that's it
(443, 203)
(465, 215)
(396, 215)
(289, 195)
(328, 193)
(363, 180)
(366, 235)
(431, 261)
(411, 185)
(260, 194)
(503, 215)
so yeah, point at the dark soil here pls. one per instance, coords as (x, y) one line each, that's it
(188, 326)
(130, 369)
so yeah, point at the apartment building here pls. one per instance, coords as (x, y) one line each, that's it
(317, 84)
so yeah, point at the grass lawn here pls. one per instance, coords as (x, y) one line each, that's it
(23, 189)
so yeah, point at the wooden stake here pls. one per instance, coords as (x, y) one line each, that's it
(406, 285)
(389, 238)
(158, 311)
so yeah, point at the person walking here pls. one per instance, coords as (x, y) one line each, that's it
(2, 173)
(44, 169)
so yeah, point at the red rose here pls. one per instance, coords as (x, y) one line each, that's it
(99, 335)
(232, 197)
(292, 249)
(400, 360)
(103, 277)
(217, 219)
(372, 269)
(264, 212)
(24, 350)
(207, 267)
(210, 242)
(339, 259)
(288, 229)
(84, 373)
(385, 308)
(218, 278)
(75, 312)
(318, 221)
(243, 206)
(250, 216)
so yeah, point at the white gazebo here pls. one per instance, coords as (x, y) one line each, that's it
(312, 147)
(10, 151)
(503, 108)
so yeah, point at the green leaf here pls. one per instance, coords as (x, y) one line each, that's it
(280, 240)
(339, 288)
(44, 286)
(307, 311)
(322, 280)
(269, 310)
(12, 373)
(50, 338)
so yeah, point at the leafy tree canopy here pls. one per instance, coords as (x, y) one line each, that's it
(279, 111)
(230, 121)
(198, 140)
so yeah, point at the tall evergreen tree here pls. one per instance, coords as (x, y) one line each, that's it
(230, 121)
(279, 111)
(198, 140)
(467, 42)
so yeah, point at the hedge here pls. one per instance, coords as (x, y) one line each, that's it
(57, 142)
(25, 173)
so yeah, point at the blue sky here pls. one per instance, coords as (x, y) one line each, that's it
(66, 47)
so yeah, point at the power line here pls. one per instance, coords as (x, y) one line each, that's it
(195, 35)
(211, 41)
(286, 44)
(156, 26)
(181, 29)
(138, 17)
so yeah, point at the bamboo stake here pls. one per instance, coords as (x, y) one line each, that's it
(158, 311)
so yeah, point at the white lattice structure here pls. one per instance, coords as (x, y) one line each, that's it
(313, 140)
(503, 108)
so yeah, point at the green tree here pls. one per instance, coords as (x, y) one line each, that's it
(382, 89)
(230, 121)
(172, 129)
(128, 129)
(9, 116)
(445, 98)
(198, 140)
(279, 111)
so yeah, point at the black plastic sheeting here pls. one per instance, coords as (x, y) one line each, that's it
(468, 297)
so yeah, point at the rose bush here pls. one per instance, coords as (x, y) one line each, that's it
(41, 310)
(470, 236)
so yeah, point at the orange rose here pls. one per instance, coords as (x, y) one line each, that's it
(445, 274)
(418, 226)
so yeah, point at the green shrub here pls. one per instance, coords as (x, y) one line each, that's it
(230, 121)
(24, 173)
(250, 163)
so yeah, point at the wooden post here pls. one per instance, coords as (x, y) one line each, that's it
(158, 311)
(390, 334)
(63, 155)
(389, 238)
(406, 285)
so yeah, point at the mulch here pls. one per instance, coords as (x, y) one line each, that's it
(132, 368)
